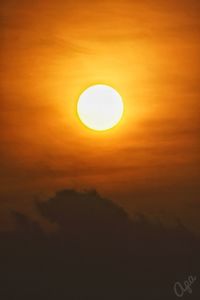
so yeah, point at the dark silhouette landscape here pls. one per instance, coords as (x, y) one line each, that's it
(96, 252)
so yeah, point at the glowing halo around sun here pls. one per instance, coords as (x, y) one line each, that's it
(100, 107)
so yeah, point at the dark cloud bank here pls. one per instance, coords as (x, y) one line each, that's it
(97, 252)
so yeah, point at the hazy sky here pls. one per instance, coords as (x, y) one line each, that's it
(149, 51)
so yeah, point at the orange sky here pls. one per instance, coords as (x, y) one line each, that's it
(147, 50)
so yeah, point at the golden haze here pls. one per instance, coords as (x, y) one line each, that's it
(149, 52)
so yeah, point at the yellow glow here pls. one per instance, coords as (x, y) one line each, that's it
(100, 107)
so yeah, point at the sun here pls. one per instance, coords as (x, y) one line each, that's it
(100, 107)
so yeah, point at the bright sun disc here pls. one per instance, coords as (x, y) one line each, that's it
(100, 107)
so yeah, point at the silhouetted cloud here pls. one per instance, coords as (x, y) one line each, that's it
(97, 252)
